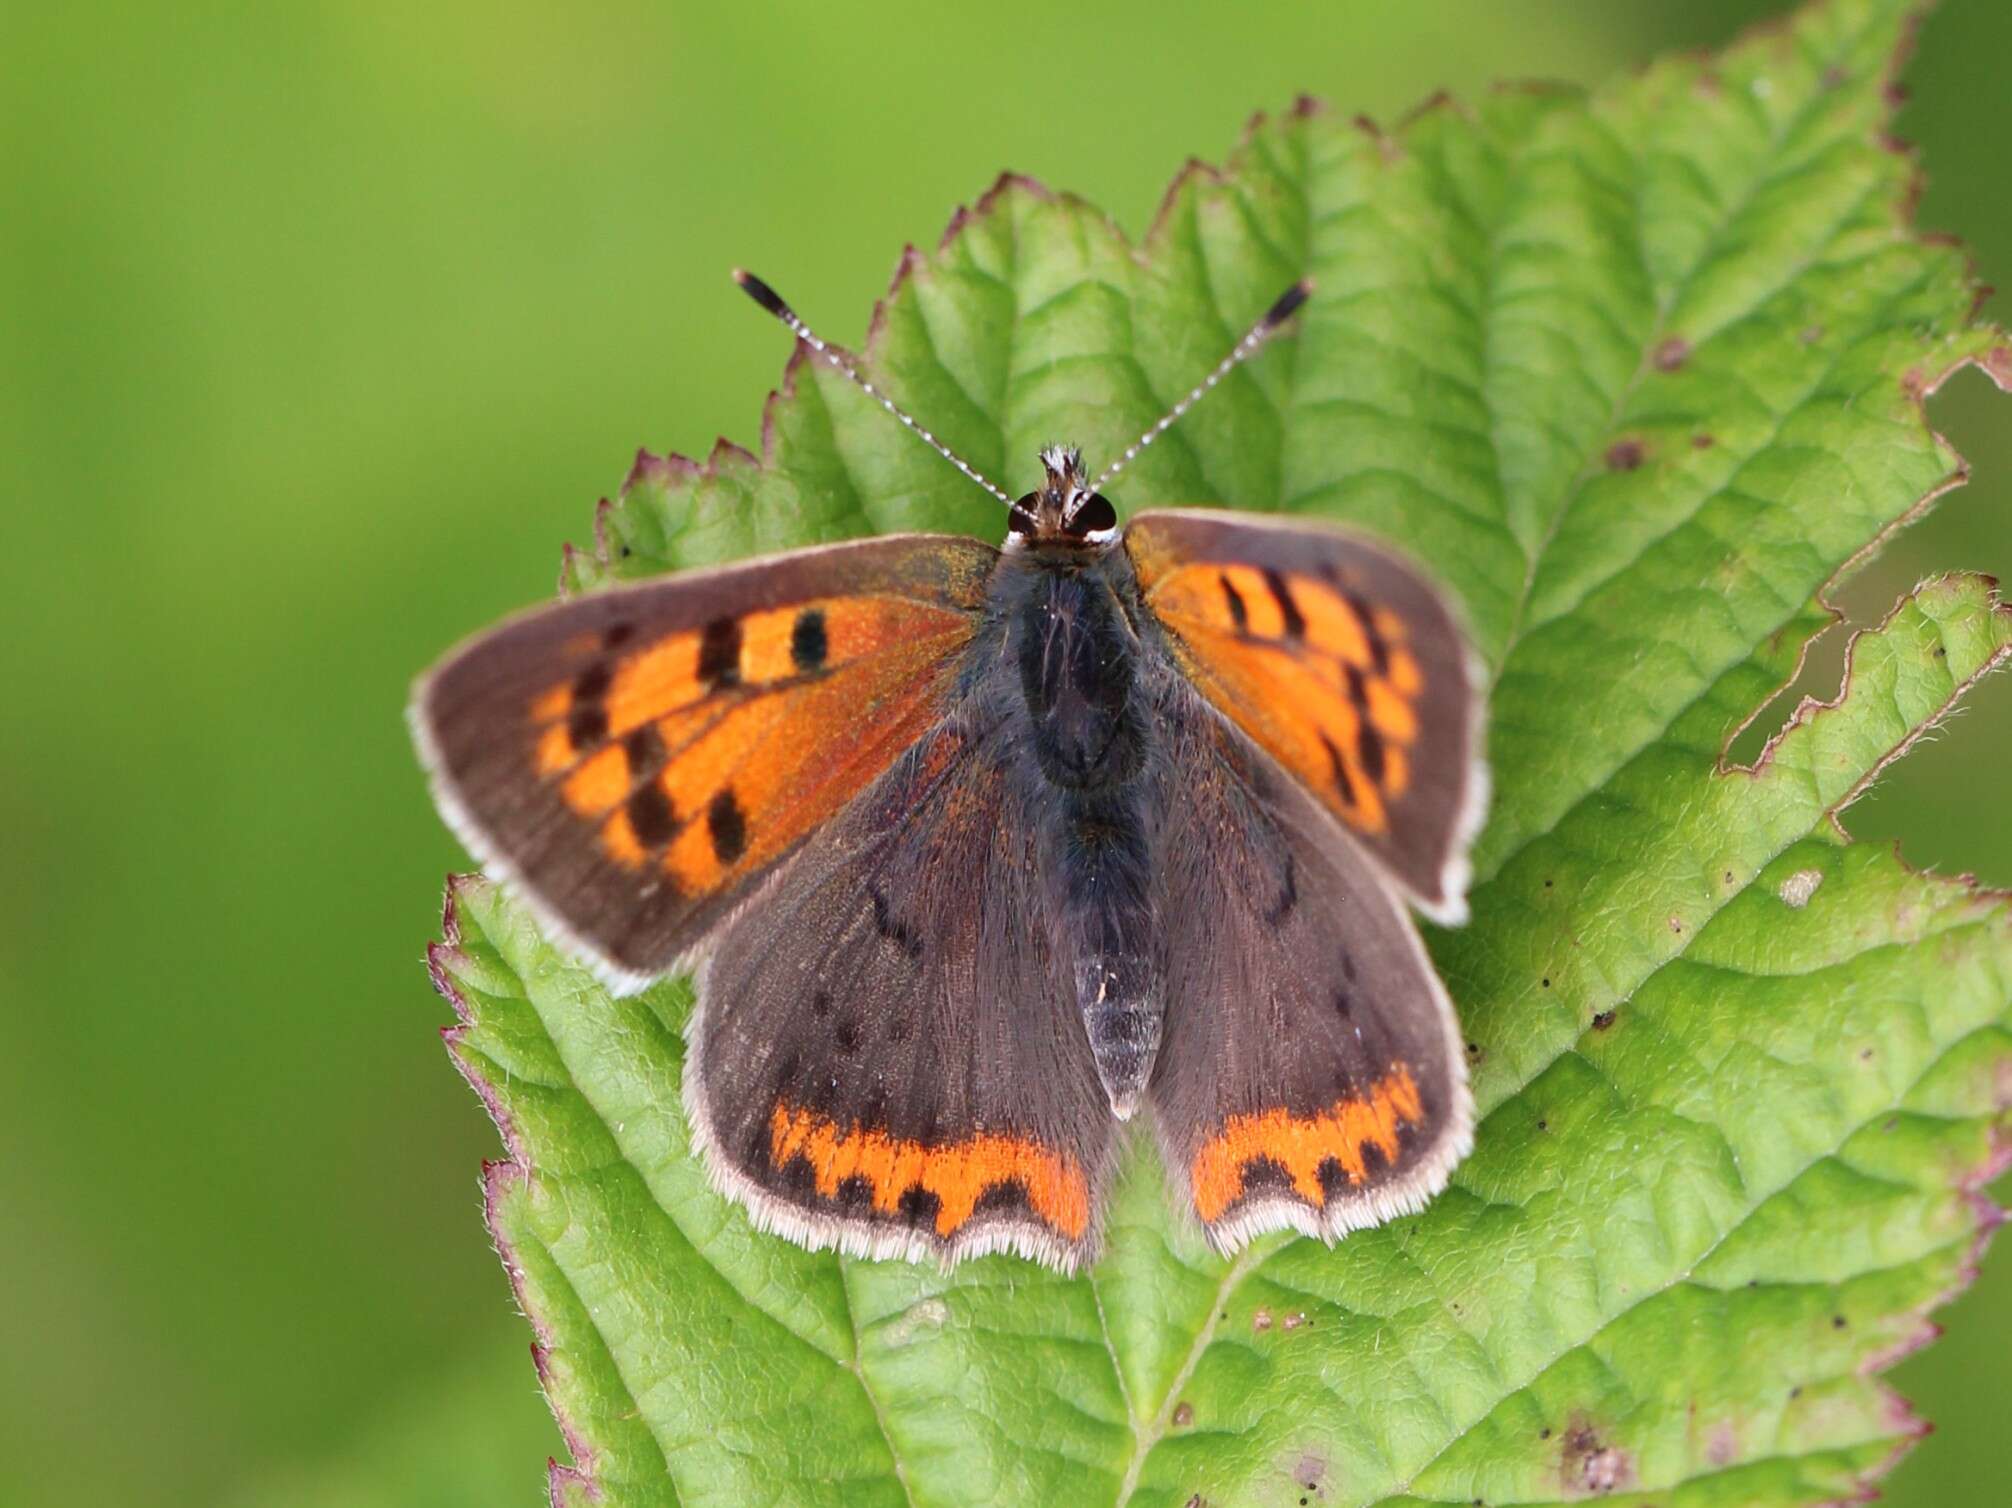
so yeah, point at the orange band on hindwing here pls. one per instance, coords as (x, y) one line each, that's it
(1302, 1144)
(957, 1173)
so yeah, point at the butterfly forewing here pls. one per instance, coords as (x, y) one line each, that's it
(1311, 1074)
(638, 759)
(1344, 664)
(884, 1057)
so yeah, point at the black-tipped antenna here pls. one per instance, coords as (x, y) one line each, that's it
(772, 301)
(1283, 309)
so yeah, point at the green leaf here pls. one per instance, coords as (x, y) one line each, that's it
(1640, 373)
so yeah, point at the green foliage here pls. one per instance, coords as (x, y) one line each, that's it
(1639, 373)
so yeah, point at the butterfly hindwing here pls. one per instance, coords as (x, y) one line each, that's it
(884, 1057)
(1342, 662)
(1311, 1075)
(636, 760)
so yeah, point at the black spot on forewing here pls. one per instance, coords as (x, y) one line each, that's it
(1358, 691)
(727, 826)
(586, 726)
(645, 748)
(1379, 651)
(1341, 778)
(808, 644)
(1288, 610)
(1239, 614)
(587, 723)
(592, 683)
(651, 815)
(720, 652)
(1369, 748)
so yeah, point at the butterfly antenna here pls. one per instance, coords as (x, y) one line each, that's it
(1282, 310)
(772, 301)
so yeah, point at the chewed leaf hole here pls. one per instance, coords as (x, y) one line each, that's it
(1863, 597)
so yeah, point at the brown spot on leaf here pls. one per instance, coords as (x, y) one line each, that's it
(1184, 1414)
(1294, 1321)
(1702, 442)
(1261, 1320)
(1723, 1447)
(1589, 1465)
(1671, 355)
(1625, 455)
(1602, 1021)
(1308, 1471)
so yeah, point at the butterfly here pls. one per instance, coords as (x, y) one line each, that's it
(980, 852)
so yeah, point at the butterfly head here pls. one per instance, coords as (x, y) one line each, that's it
(1065, 509)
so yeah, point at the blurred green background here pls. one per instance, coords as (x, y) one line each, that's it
(320, 327)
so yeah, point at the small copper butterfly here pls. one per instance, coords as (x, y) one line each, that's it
(979, 852)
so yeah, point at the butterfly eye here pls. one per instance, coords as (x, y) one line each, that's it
(1094, 516)
(1020, 517)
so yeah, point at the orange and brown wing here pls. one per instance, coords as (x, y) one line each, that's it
(1342, 662)
(1310, 1074)
(886, 1054)
(638, 759)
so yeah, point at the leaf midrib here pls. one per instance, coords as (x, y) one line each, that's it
(1146, 1435)
(854, 1365)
